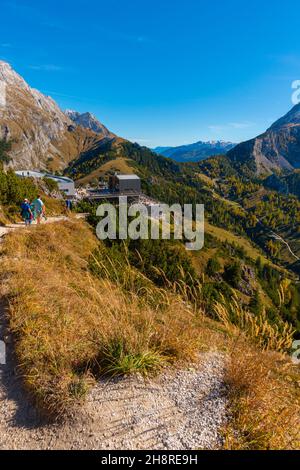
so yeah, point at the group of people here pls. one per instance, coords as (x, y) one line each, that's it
(33, 211)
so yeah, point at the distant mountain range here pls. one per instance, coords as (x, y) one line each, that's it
(277, 149)
(195, 152)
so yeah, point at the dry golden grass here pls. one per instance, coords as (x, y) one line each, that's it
(264, 398)
(268, 336)
(69, 325)
(54, 207)
(119, 164)
(251, 251)
(263, 385)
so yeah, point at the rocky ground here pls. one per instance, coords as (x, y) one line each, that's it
(179, 410)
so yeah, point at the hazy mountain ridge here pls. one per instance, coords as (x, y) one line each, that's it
(196, 151)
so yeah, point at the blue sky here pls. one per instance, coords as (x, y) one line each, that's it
(162, 72)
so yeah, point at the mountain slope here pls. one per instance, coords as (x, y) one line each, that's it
(195, 152)
(43, 136)
(286, 184)
(278, 149)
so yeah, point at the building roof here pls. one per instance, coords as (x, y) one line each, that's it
(30, 173)
(39, 174)
(65, 179)
(128, 177)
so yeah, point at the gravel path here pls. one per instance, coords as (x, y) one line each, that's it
(179, 410)
(20, 225)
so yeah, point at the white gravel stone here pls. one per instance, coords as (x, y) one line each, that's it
(183, 409)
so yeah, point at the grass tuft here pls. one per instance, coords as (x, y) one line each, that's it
(116, 360)
(68, 322)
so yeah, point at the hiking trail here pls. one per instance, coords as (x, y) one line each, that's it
(177, 410)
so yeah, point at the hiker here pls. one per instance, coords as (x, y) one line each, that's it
(39, 209)
(68, 205)
(26, 212)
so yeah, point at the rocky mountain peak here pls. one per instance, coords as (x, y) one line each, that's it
(289, 119)
(17, 87)
(87, 121)
(43, 136)
(277, 149)
(73, 115)
(10, 77)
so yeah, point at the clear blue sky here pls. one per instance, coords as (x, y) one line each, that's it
(162, 72)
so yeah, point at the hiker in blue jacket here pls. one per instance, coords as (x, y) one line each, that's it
(39, 209)
(26, 212)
